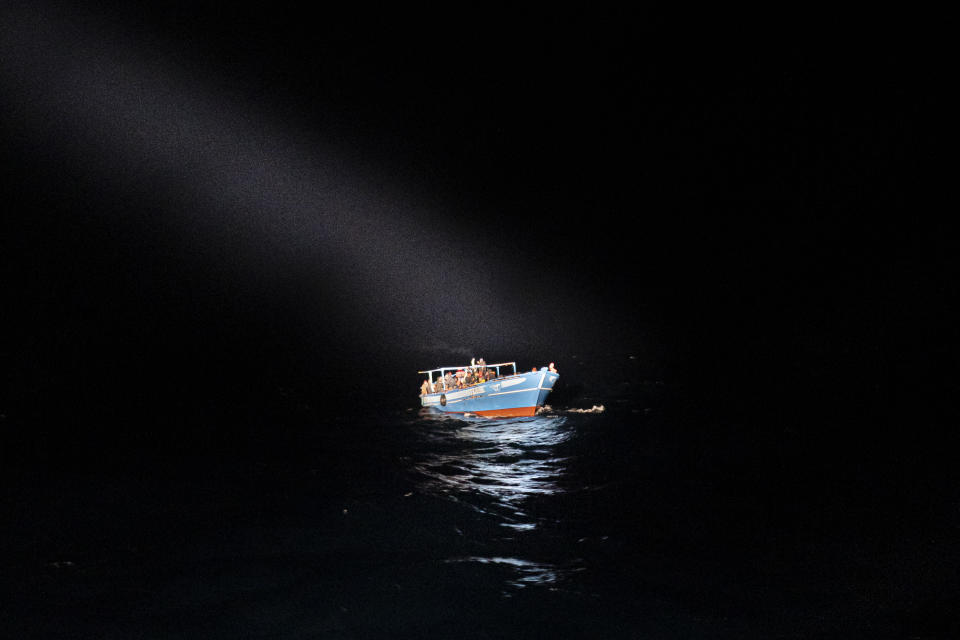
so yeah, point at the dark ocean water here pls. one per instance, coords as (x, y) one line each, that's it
(614, 513)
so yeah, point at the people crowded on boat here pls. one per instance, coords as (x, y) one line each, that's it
(476, 373)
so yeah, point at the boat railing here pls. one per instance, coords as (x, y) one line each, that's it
(473, 366)
(495, 366)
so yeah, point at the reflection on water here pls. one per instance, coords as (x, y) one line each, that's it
(496, 467)
(508, 460)
(526, 573)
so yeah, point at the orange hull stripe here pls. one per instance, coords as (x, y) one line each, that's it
(508, 413)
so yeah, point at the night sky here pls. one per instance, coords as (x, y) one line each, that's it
(206, 206)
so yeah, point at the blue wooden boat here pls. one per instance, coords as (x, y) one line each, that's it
(507, 394)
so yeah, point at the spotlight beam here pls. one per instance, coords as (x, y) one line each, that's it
(84, 90)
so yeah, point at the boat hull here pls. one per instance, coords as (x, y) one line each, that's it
(514, 396)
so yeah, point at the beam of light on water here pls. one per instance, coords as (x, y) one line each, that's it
(496, 467)
(507, 460)
(527, 573)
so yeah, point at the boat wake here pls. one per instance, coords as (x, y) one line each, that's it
(594, 409)
(597, 408)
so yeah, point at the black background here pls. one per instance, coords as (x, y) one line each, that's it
(746, 203)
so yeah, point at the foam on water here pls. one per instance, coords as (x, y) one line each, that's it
(597, 408)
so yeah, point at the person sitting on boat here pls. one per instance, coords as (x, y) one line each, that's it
(425, 388)
(470, 378)
(448, 380)
(552, 368)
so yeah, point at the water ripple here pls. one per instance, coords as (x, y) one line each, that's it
(508, 460)
(497, 468)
